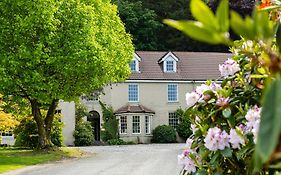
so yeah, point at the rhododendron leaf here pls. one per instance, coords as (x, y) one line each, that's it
(226, 112)
(242, 27)
(222, 16)
(214, 157)
(201, 12)
(227, 152)
(270, 125)
(196, 30)
(278, 38)
(202, 172)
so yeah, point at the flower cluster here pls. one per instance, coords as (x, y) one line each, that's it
(229, 68)
(184, 159)
(198, 95)
(221, 124)
(253, 121)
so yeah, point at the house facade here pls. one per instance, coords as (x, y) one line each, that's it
(154, 91)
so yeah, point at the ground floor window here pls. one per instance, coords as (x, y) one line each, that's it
(123, 124)
(147, 124)
(173, 119)
(136, 124)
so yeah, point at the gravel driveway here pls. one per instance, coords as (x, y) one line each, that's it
(153, 159)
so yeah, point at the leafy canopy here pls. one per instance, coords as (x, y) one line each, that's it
(60, 49)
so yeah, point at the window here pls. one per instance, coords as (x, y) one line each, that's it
(133, 65)
(136, 124)
(133, 93)
(123, 124)
(147, 124)
(173, 119)
(172, 92)
(170, 66)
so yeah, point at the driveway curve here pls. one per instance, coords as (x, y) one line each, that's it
(152, 159)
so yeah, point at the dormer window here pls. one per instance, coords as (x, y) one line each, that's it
(170, 66)
(134, 65)
(169, 62)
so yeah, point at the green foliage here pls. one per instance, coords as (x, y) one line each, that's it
(260, 47)
(141, 22)
(116, 142)
(80, 113)
(110, 125)
(65, 47)
(83, 134)
(164, 134)
(26, 133)
(183, 128)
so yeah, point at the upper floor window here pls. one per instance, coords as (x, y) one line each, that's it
(170, 66)
(133, 65)
(133, 92)
(169, 62)
(173, 119)
(172, 92)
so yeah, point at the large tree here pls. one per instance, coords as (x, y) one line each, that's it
(59, 49)
(142, 23)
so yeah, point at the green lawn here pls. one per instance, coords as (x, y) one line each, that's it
(14, 158)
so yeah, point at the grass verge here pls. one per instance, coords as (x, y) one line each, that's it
(14, 158)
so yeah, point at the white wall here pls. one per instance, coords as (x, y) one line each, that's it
(68, 118)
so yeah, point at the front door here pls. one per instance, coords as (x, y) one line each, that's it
(94, 118)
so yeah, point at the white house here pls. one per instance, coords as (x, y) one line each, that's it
(154, 91)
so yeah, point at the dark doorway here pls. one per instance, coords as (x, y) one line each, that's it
(94, 118)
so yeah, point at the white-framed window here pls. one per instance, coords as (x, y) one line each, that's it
(173, 119)
(133, 65)
(136, 124)
(123, 124)
(172, 92)
(147, 124)
(170, 66)
(133, 92)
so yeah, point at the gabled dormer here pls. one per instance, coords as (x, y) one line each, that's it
(169, 62)
(135, 63)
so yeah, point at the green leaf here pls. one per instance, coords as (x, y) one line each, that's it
(204, 14)
(196, 30)
(270, 125)
(278, 38)
(223, 16)
(226, 112)
(227, 152)
(241, 27)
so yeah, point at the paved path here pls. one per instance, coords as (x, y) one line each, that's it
(151, 159)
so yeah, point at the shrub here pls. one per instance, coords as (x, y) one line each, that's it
(116, 142)
(26, 133)
(110, 124)
(183, 128)
(83, 134)
(164, 134)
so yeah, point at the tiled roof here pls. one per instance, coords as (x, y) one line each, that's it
(133, 109)
(191, 66)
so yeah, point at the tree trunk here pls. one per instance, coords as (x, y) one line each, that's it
(44, 126)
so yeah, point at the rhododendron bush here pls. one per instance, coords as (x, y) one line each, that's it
(225, 120)
(236, 120)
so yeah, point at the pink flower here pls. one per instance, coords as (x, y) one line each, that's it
(229, 68)
(222, 101)
(191, 99)
(216, 139)
(235, 139)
